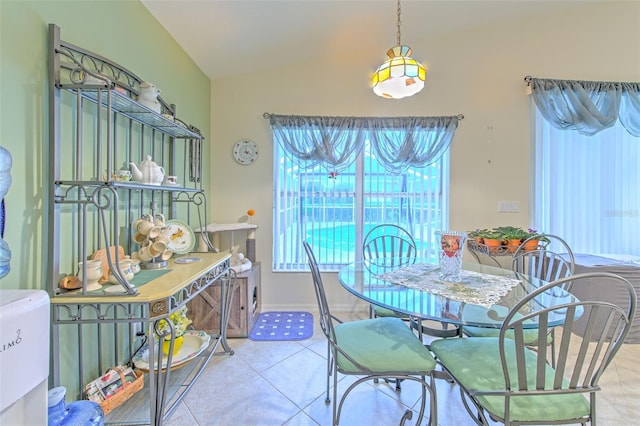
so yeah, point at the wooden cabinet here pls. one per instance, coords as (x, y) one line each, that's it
(245, 306)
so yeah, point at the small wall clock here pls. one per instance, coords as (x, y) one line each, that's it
(245, 152)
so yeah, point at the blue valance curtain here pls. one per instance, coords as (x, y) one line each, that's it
(335, 142)
(587, 106)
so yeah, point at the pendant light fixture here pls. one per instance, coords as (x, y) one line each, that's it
(400, 75)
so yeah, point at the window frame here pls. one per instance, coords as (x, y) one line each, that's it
(359, 195)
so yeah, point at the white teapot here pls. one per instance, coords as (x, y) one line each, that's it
(147, 172)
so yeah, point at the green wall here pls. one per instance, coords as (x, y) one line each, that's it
(123, 31)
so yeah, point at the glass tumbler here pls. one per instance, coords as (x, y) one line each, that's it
(450, 256)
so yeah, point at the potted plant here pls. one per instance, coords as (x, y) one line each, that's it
(492, 238)
(477, 235)
(534, 239)
(513, 236)
(180, 323)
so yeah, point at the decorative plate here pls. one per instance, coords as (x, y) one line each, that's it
(188, 259)
(102, 255)
(181, 237)
(194, 343)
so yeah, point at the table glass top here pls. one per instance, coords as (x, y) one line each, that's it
(481, 298)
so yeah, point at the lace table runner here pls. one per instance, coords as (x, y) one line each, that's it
(474, 288)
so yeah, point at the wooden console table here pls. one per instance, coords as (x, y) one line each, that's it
(244, 309)
(106, 334)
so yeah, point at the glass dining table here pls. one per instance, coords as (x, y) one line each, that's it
(481, 298)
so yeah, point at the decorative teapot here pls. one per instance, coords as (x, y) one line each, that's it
(147, 172)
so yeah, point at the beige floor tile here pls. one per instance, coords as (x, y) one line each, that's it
(181, 417)
(363, 406)
(253, 402)
(283, 383)
(262, 355)
(301, 419)
(301, 377)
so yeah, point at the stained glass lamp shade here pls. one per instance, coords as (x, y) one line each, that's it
(400, 75)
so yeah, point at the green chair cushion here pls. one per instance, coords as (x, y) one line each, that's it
(475, 363)
(475, 313)
(382, 345)
(385, 313)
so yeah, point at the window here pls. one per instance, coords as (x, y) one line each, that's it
(334, 210)
(586, 188)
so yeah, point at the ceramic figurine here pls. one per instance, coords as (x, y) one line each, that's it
(148, 97)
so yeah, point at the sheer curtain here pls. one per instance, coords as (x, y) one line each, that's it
(587, 106)
(335, 142)
(587, 153)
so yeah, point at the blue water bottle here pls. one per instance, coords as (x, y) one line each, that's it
(5, 183)
(78, 413)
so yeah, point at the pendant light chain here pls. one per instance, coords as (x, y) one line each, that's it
(399, 23)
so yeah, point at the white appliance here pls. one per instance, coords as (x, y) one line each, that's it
(24, 357)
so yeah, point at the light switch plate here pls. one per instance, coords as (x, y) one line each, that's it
(507, 206)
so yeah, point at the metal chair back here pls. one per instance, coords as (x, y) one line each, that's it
(388, 246)
(326, 323)
(544, 263)
(580, 361)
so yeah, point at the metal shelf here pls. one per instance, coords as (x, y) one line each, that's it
(129, 108)
(127, 185)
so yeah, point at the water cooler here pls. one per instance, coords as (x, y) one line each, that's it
(24, 357)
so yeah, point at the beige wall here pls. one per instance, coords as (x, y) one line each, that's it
(122, 31)
(478, 73)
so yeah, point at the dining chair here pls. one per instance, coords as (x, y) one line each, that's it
(372, 348)
(541, 263)
(503, 379)
(387, 247)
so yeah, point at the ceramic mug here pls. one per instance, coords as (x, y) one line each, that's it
(143, 224)
(123, 175)
(162, 238)
(157, 248)
(158, 220)
(139, 238)
(144, 255)
(166, 255)
(167, 231)
(155, 232)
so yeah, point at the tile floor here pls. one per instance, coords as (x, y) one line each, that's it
(283, 383)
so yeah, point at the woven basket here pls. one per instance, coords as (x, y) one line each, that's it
(127, 391)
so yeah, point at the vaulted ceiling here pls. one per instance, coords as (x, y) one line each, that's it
(225, 36)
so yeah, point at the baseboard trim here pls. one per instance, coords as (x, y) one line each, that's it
(359, 308)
